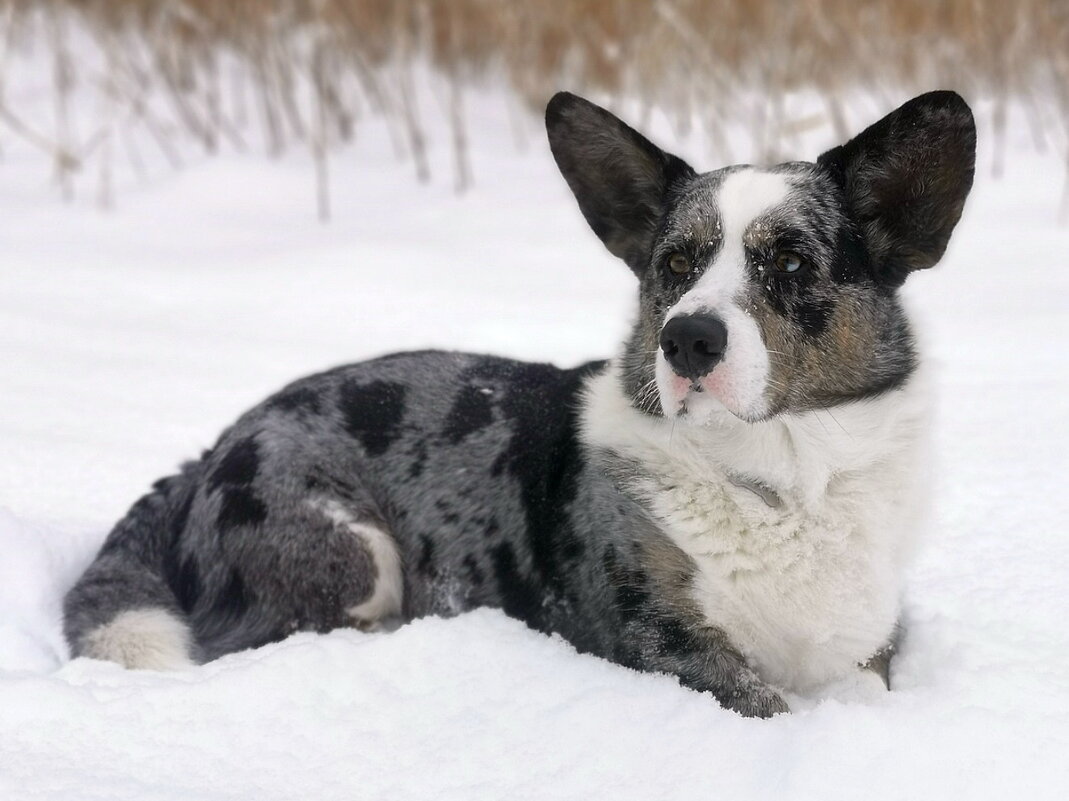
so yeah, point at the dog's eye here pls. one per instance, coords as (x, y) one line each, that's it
(787, 261)
(679, 264)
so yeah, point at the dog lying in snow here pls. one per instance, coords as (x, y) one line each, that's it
(732, 499)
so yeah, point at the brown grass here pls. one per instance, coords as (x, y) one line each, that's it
(311, 70)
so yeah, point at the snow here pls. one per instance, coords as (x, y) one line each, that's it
(130, 338)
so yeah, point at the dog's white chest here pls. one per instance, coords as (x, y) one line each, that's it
(799, 529)
(806, 595)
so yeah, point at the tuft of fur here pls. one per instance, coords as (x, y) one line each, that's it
(141, 639)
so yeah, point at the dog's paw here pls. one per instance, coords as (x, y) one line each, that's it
(858, 687)
(762, 702)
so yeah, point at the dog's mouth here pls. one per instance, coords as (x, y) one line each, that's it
(684, 396)
(695, 388)
(699, 400)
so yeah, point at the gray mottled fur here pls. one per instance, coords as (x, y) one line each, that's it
(488, 507)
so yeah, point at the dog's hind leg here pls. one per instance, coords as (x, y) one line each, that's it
(123, 609)
(384, 601)
(315, 564)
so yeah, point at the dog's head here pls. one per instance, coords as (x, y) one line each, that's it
(770, 290)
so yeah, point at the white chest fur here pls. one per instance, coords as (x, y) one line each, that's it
(804, 579)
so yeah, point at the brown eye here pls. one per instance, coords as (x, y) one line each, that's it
(787, 261)
(679, 264)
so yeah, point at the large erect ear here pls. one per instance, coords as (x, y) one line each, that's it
(906, 179)
(619, 177)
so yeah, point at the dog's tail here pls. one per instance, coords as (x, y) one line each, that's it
(124, 608)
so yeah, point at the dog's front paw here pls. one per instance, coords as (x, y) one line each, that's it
(756, 702)
(857, 687)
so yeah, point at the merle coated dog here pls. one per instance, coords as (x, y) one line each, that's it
(732, 499)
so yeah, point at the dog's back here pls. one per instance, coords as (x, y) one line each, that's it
(415, 484)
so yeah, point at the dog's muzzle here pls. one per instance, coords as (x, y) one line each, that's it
(694, 344)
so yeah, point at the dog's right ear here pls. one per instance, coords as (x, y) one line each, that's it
(619, 177)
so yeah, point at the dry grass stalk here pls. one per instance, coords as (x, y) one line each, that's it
(306, 71)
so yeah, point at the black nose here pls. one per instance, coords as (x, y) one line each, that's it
(693, 344)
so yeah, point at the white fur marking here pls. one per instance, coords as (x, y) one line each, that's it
(809, 589)
(386, 596)
(740, 380)
(141, 639)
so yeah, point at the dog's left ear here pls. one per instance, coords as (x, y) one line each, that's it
(620, 178)
(906, 179)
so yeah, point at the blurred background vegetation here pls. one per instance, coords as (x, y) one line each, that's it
(251, 74)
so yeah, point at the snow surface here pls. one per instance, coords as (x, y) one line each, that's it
(130, 338)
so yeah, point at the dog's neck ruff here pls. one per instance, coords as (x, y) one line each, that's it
(793, 456)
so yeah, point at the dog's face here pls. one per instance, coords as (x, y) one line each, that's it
(772, 290)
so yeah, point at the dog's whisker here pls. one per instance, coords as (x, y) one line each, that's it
(836, 419)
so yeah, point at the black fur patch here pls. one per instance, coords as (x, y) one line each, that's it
(181, 573)
(233, 601)
(415, 470)
(471, 412)
(520, 597)
(184, 581)
(795, 298)
(373, 413)
(675, 639)
(851, 264)
(180, 517)
(240, 507)
(238, 467)
(474, 573)
(425, 565)
(543, 455)
(812, 316)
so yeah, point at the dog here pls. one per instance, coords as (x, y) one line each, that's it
(732, 499)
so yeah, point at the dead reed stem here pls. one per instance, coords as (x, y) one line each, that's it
(305, 72)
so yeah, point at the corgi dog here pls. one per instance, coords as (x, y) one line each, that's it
(732, 499)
